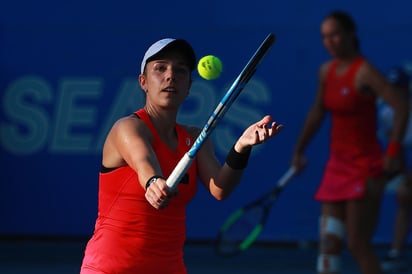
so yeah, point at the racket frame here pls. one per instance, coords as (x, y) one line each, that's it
(264, 203)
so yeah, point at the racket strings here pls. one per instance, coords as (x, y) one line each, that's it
(241, 232)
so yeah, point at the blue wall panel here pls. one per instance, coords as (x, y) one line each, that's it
(68, 70)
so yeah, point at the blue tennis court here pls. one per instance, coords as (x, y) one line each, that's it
(64, 257)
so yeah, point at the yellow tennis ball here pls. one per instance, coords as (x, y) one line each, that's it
(209, 67)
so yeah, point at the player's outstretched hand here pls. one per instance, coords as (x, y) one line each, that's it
(258, 133)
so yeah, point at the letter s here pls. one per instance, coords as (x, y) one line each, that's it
(24, 128)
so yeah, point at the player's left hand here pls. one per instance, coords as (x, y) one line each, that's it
(258, 133)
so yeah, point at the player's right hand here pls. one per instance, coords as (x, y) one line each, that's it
(158, 194)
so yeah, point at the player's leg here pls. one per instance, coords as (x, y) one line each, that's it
(332, 231)
(403, 215)
(362, 218)
(394, 260)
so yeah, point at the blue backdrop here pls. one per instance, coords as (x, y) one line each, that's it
(69, 70)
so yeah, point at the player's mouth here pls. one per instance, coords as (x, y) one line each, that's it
(170, 89)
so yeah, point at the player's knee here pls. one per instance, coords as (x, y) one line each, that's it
(332, 231)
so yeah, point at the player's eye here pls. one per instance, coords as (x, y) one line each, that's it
(181, 69)
(160, 67)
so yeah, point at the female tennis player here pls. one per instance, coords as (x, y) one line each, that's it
(395, 259)
(352, 185)
(140, 227)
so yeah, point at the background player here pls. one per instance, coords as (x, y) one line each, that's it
(352, 185)
(394, 260)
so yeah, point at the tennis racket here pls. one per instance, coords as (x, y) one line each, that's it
(224, 104)
(244, 225)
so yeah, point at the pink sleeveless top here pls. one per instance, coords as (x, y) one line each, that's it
(130, 235)
(355, 152)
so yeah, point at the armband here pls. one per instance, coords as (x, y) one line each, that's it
(393, 149)
(237, 160)
(152, 180)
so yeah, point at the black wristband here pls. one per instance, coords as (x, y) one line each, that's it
(237, 160)
(152, 180)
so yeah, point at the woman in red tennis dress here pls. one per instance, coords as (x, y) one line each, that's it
(354, 177)
(140, 227)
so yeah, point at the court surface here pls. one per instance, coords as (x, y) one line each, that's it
(64, 257)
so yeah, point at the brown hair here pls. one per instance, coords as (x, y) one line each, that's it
(346, 22)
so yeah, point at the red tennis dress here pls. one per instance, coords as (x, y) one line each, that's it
(355, 152)
(131, 236)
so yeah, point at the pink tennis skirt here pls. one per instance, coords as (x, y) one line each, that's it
(345, 176)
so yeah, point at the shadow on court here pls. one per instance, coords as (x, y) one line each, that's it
(64, 257)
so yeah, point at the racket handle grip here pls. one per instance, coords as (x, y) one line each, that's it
(287, 176)
(179, 171)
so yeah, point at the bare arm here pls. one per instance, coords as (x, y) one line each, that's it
(373, 80)
(129, 143)
(219, 179)
(312, 123)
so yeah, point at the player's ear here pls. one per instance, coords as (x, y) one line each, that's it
(142, 82)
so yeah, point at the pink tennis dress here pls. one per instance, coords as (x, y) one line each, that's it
(355, 152)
